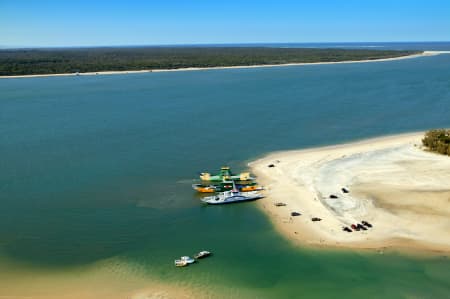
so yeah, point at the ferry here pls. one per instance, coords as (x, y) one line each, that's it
(225, 174)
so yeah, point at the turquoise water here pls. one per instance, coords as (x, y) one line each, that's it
(97, 167)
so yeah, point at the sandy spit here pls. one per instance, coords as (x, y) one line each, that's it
(393, 183)
(425, 53)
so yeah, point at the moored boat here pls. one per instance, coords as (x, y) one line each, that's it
(231, 197)
(226, 186)
(184, 261)
(180, 263)
(202, 254)
(250, 187)
(187, 259)
(204, 188)
(225, 174)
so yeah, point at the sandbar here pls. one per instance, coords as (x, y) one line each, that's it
(392, 183)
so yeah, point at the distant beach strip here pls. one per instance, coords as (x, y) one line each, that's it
(392, 183)
(425, 53)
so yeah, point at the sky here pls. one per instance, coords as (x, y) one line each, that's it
(46, 23)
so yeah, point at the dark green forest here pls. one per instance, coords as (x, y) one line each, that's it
(72, 60)
(438, 141)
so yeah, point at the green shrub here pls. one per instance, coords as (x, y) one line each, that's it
(438, 141)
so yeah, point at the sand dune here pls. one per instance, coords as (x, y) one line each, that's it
(393, 183)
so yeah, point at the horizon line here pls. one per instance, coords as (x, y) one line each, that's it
(210, 44)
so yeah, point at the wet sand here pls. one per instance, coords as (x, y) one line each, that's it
(393, 183)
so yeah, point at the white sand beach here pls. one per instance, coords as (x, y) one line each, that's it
(425, 53)
(392, 183)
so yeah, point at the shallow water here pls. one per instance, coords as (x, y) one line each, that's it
(99, 167)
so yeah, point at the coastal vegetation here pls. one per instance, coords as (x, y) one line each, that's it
(73, 60)
(438, 141)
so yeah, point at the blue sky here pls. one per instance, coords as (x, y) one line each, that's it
(132, 22)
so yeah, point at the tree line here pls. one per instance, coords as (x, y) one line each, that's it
(72, 60)
(438, 141)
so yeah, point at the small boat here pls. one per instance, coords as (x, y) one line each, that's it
(226, 186)
(202, 254)
(204, 188)
(187, 259)
(225, 174)
(280, 204)
(231, 196)
(184, 261)
(180, 263)
(295, 214)
(249, 187)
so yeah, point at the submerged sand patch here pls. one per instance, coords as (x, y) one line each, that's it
(393, 183)
(109, 279)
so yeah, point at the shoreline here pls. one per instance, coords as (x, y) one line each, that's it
(423, 54)
(390, 187)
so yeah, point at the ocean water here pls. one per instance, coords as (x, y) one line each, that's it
(98, 168)
(419, 46)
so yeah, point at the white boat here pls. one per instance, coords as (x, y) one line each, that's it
(231, 196)
(187, 259)
(202, 254)
(180, 263)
